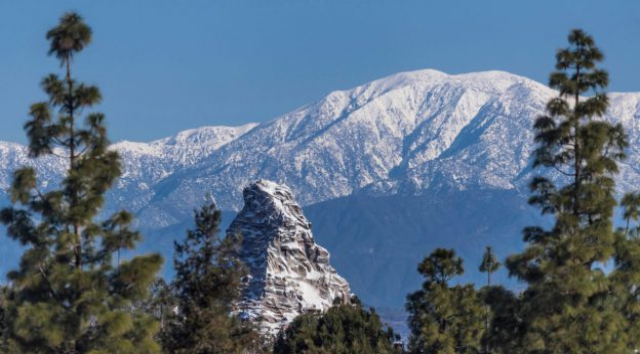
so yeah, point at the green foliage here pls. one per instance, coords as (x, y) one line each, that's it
(161, 304)
(503, 334)
(67, 295)
(490, 263)
(571, 305)
(7, 345)
(207, 284)
(444, 319)
(343, 329)
(626, 275)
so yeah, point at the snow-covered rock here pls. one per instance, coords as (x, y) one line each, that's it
(289, 274)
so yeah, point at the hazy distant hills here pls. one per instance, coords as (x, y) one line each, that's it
(386, 171)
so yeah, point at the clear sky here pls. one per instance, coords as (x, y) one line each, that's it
(165, 66)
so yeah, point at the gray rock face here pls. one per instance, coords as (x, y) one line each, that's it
(289, 274)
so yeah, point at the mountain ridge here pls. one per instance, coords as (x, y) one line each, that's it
(405, 140)
(410, 125)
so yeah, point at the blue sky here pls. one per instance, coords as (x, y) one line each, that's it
(166, 66)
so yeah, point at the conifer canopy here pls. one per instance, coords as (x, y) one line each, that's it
(69, 293)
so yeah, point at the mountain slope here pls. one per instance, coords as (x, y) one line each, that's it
(144, 166)
(444, 159)
(406, 133)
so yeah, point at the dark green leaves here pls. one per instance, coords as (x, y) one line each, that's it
(343, 329)
(441, 266)
(489, 263)
(443, 318)
(69, 37)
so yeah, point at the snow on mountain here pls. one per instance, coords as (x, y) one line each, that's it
(411, 140)
(289, 274)
(144, 164)
(161, 158)
(13, 156)
(402, 134)
(406, 133)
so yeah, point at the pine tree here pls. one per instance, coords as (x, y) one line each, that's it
(444, 319)
(571, 305)
(6, 344)
(207, 285)
(161, 304)
(631, 206)
(67, 296)
(626, 274)
(343, 329)
(488, 265)
(504, 333)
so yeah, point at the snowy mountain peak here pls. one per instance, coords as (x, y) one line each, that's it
(404, 133)
(491, 81)
(145, 165)
(203, 138)
(213, 136)
(289, 274)
(386, 136)
(418, 133)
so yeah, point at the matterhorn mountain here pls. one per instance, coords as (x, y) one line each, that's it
(385, 172)
(289, 274)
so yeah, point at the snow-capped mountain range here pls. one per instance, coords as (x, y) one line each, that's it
(420, 133)
(402, 134)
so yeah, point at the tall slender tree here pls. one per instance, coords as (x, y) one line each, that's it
(67, 296)
(444, 319)
(488, 265)
(570, 305)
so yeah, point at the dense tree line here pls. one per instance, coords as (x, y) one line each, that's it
(72, 293)
(343, 329)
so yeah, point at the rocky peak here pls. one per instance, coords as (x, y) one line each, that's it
(289, 274)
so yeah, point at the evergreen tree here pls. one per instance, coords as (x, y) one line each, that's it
(631, 206)
(626, 275)
(343, 329)
(571, 305)
(162, 303)
(66, 295)
(207, 285)
(488, 265)
(6, 344)
(444, 319)
(506, 326)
